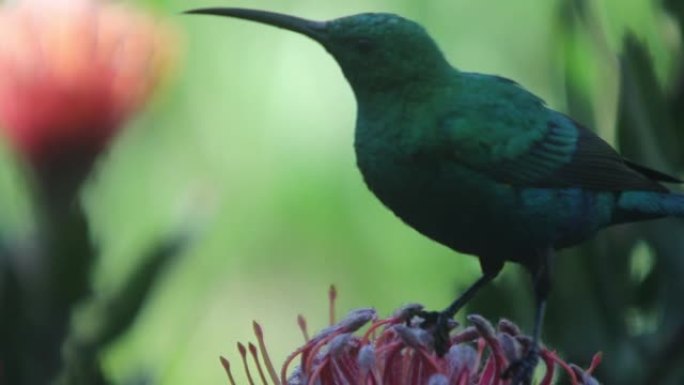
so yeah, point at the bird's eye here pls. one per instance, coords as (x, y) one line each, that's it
(364, 45)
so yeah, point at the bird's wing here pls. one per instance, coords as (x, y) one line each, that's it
(509, 135)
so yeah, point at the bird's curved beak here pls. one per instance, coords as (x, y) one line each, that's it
(313, 29)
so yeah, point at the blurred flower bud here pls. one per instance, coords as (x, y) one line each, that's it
(73, 71)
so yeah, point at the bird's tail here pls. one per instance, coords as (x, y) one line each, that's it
(640, 205)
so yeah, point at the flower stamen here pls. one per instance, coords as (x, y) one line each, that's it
(595, 362)
(332, 296)
(259, 333)
(301, 321)
(226, 366)
(255, 357)
(398, 350)
(243, 354)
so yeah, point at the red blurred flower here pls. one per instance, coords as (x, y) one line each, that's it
(72, 71)
(396, 351)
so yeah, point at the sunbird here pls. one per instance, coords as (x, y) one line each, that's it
(475, 161)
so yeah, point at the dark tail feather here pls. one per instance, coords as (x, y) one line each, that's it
(641, 205)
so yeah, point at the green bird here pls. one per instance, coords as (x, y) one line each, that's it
(474, 161)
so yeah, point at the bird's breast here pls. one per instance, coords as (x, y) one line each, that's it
(437, 199)
(393, 166)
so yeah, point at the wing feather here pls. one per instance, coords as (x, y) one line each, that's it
(513, 138)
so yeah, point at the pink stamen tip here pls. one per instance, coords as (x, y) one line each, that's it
(243, 354)
(595, 362)
(225, 362)
(259, 333)
(255, 357)
(332, 296)
(301, 321)
(226, 366)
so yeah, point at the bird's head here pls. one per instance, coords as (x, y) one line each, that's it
(376, 51)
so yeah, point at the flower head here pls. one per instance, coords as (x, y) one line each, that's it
(398, 351)
(73, 71)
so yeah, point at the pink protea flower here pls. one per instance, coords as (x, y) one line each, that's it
(396, 351)
(72, 72)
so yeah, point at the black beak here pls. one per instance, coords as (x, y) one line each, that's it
(313, 29)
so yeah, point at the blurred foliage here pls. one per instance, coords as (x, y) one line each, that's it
(254, 143)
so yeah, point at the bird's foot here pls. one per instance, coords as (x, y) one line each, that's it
(440, 325)
(521, 371)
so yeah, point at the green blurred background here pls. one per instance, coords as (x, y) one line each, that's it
(251, 147)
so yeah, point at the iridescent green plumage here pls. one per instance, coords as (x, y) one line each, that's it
(487, 169)
(475, 161)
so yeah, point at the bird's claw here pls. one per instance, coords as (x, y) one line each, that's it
(520, 372)
(440, 325)
(428, 319)
(441, 334)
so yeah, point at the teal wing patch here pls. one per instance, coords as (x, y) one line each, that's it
(513, 138)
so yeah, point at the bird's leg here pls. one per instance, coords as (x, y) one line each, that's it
(522, 370)
(441, 320)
